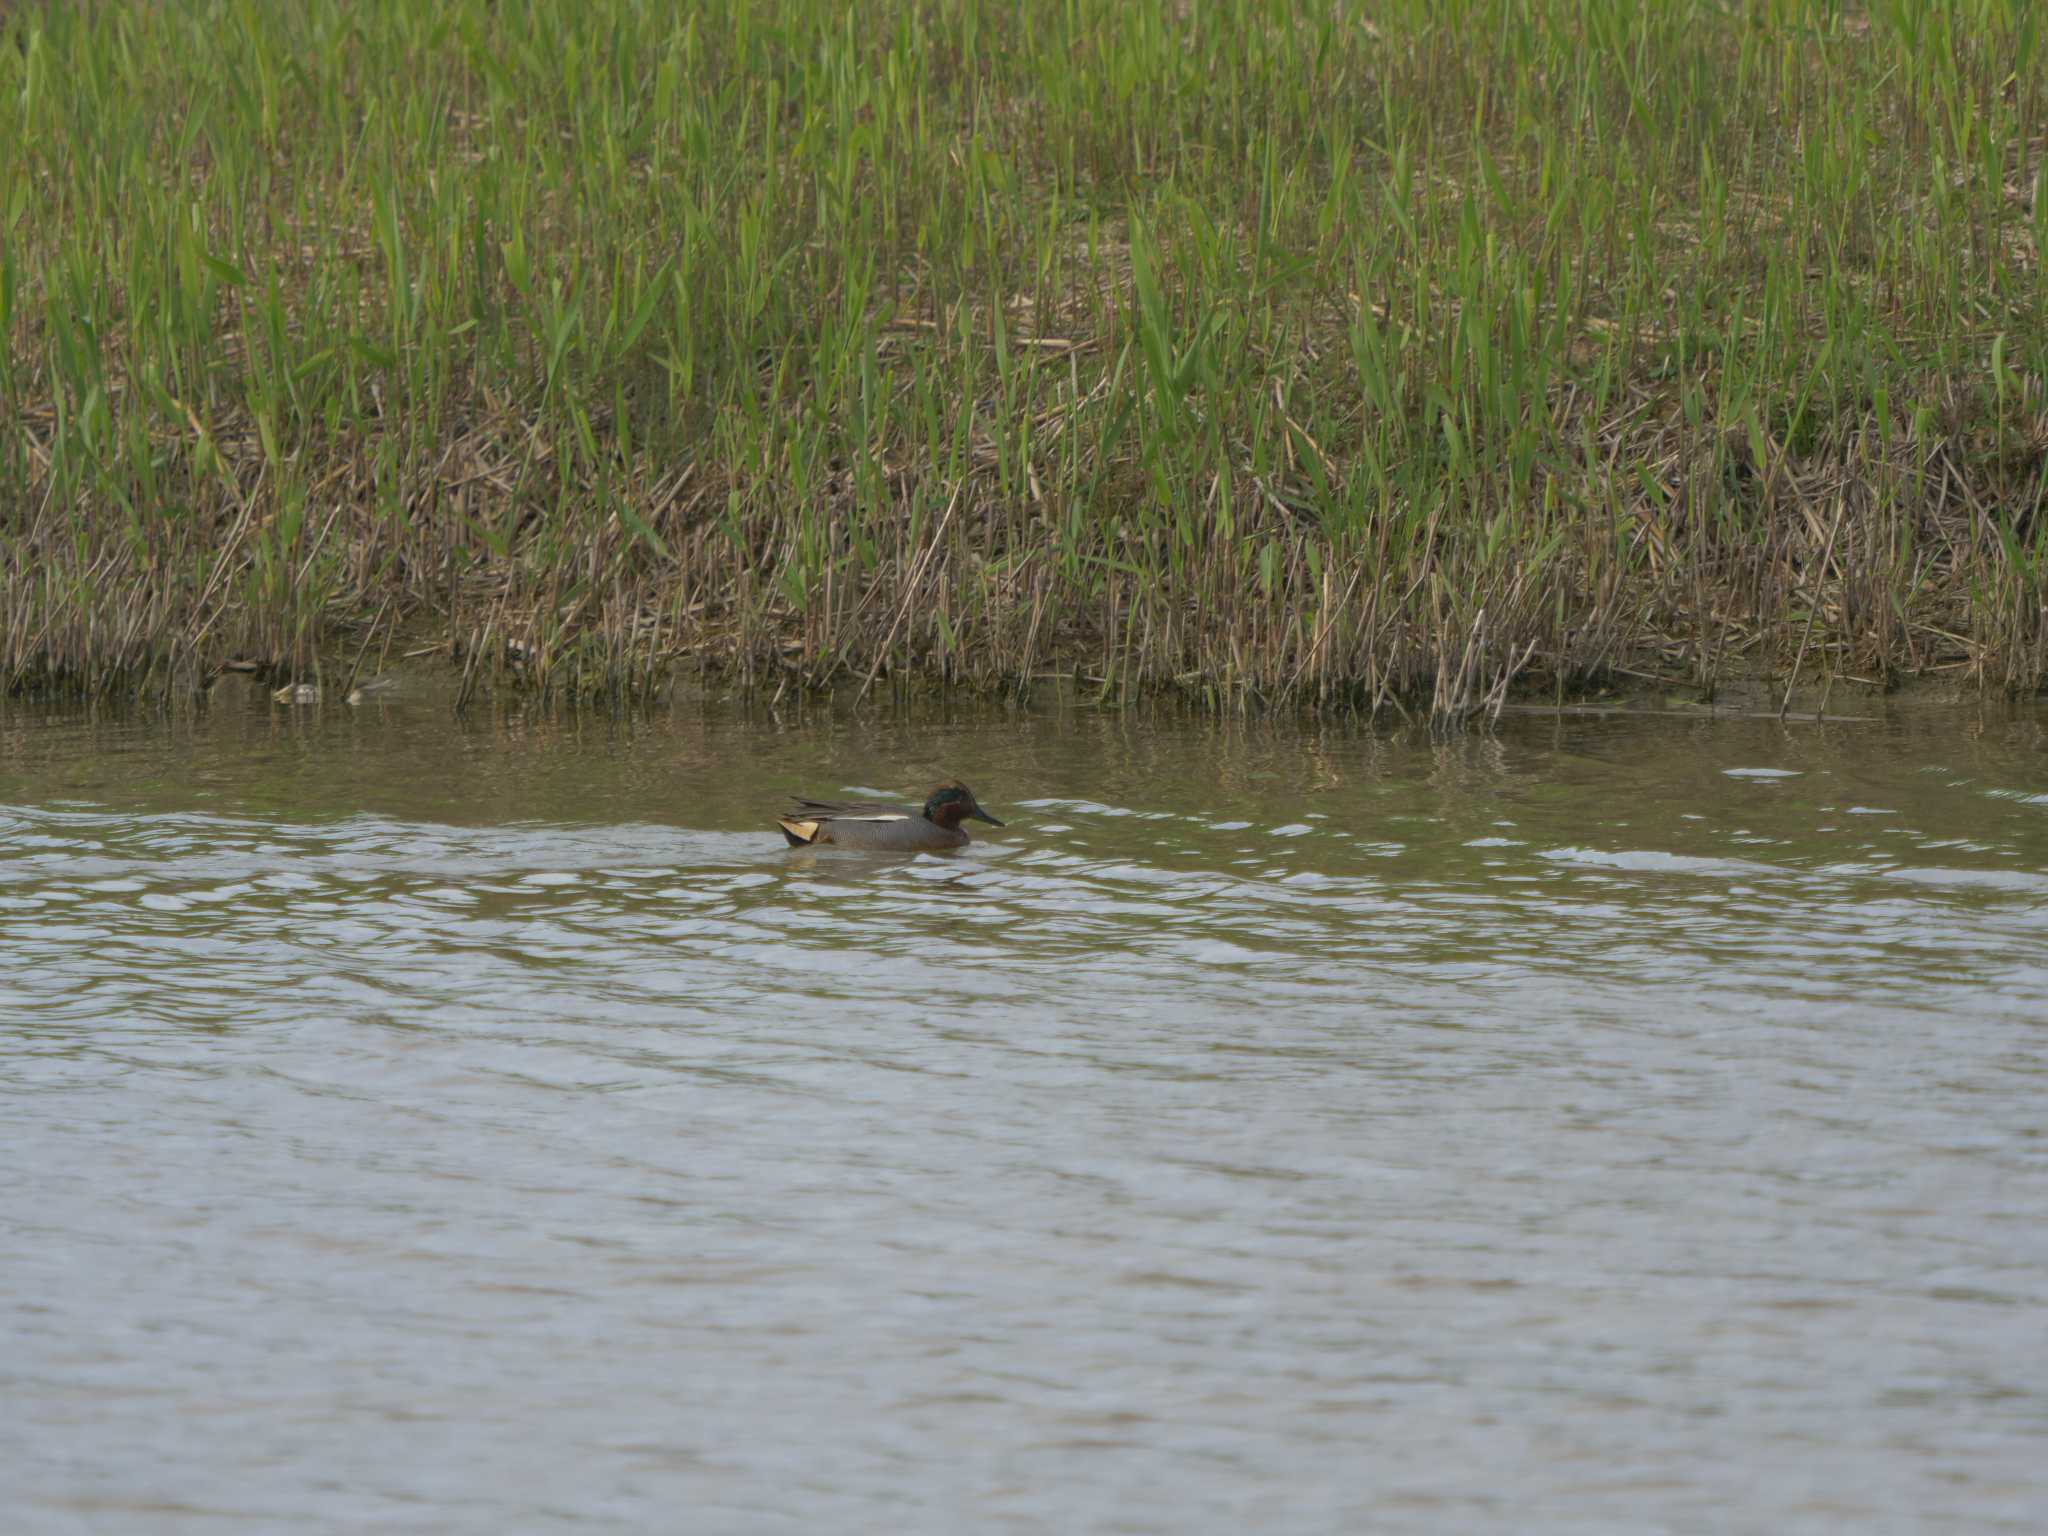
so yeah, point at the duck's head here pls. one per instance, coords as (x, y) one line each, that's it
(952, 803)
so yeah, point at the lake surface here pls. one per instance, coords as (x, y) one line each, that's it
(1599, 1124)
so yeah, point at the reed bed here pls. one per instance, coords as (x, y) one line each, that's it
(1389, 354)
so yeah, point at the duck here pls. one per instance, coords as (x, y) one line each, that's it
(886, 828)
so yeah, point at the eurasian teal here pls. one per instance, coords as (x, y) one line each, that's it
(886, 828)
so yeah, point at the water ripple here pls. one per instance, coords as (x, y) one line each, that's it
(1297, 1114)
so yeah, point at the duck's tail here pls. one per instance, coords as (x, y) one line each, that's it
(801, 834)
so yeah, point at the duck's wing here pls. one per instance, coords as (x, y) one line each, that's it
(849, 810)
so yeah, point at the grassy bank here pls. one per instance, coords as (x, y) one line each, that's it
(1370, 352)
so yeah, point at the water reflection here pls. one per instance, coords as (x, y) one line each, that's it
(493, 1124)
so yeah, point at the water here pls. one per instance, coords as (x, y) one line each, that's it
(1607, 1124)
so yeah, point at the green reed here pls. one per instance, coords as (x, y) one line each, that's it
(1371, 353)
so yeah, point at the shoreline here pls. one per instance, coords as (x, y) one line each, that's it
(414, 678)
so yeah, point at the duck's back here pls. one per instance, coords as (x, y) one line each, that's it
(878, 828)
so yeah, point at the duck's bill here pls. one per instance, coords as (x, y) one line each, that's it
(978, 814)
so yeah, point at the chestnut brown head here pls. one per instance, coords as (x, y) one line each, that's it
(952, 803)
